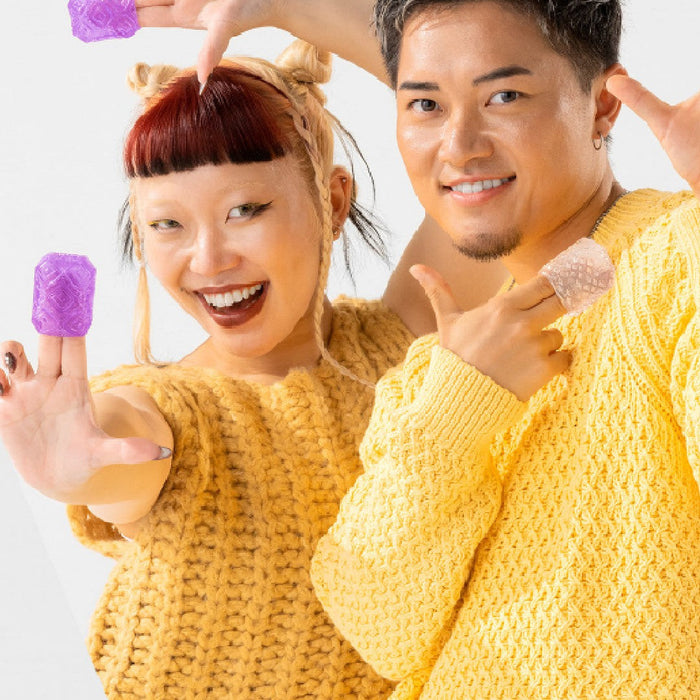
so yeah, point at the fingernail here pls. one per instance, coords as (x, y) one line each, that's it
(10, 362)
(164, 453)
(202, 86)
(2, 390)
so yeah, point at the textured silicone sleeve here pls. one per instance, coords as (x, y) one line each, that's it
(95, 20)
(64, 288)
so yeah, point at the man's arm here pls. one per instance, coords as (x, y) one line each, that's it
(471, 282)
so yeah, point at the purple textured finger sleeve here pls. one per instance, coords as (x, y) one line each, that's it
(580, 275)
(95, 20)
(64, 287)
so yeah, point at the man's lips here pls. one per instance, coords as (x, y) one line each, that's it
(477, 185)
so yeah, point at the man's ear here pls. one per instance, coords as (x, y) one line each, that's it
(341, 187)
(607, 105)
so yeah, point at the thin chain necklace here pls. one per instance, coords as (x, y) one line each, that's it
(593, 230)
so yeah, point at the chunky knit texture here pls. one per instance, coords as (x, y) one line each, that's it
(548, 550)
(213, 598)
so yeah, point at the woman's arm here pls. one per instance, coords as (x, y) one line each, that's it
(106, 450)
(343, 27)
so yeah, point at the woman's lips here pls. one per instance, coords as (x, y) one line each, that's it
(237, 313)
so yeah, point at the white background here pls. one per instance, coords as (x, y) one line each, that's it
(65, 110)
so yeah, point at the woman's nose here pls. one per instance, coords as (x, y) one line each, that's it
(213, 253)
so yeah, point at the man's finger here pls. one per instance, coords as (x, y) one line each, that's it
(530, 294)
(438, 292)
(644, 103)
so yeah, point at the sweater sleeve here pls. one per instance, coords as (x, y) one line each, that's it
(391, 569)
(685, 367)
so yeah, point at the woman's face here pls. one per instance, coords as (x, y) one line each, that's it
(238, 247)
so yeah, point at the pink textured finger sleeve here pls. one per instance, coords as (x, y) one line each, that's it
(64, 288)
(95, 20)
(580, 275)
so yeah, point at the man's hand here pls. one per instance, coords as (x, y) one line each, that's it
(506, 338)
(677, 127)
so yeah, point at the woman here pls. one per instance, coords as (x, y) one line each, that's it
(235, 457)
(211, 479)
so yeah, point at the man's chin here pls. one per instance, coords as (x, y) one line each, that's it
(486, 247)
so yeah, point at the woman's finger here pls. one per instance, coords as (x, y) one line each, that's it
(49, 362)
(219, 34)
(15, 362)
(157, 16)
(129, 451)
(74, 358)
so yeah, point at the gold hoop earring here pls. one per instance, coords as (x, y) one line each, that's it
(598, 142)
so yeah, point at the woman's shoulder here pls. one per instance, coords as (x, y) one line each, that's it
(368, 330)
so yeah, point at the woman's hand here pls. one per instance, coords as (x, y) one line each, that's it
(222, 20)
(504, 338)
(677, 127)
(343, 27)
(48, 426)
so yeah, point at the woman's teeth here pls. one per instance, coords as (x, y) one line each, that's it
(222, 301)
(480, 186)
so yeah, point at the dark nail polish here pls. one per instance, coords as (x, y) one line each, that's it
(2, 390)
(10, 362)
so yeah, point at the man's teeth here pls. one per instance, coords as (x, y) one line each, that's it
(475, 187)
(221, 301)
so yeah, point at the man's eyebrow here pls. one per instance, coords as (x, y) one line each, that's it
(409, 85)
(505, 72)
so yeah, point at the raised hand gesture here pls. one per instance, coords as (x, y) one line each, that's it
(677, 127)
(49, 428)
(504, 339)
(338, 26)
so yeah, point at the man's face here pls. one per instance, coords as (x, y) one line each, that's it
(494, 128)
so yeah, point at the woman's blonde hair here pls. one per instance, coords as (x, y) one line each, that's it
(250, 110)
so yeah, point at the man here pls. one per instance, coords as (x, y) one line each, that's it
(498, 548)
(495, 549)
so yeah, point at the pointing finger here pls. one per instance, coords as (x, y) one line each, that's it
(218, 36)
(74, 358)
(49, 364)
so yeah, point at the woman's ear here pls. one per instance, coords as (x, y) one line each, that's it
(341, 187)
(607, 105)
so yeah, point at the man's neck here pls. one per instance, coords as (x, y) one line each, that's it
(525, 262)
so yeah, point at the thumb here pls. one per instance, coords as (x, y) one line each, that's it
(211, 53)
(644, 103)
(438, 292)
(129, 451)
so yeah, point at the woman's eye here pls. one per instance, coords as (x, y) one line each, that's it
(164, 225)
(504, 97)
(244, 211)
(423, 105)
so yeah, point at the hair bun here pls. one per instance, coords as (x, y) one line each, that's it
(306, 64)
(147, 81)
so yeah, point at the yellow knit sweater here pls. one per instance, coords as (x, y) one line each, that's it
(213, 598)
(497, 550)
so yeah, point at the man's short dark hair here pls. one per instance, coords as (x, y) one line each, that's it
(586, 32)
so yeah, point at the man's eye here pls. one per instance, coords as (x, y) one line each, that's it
(247, 210)
(423, 105)
(504, 97)
(164, 224)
